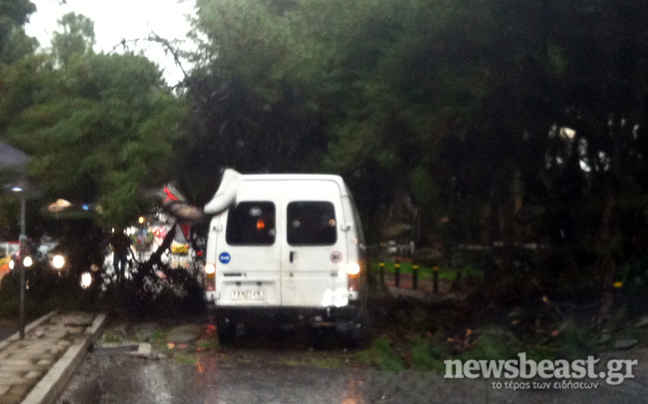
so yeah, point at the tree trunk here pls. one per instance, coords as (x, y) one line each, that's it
(606, 264)
(146, 268)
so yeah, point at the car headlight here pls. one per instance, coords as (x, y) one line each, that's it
(86, 280)
(58, 261)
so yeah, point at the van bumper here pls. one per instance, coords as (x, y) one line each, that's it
(316, 317)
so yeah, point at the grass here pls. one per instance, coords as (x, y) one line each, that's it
(382, 355)
(158, 340)
(111, 338)
(208, 345)
(328, 363)
(184, 358)
(425, 272)
(289, 363)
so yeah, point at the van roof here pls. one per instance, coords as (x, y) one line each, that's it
(297, 177)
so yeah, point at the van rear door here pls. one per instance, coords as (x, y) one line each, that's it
(314, 251)
(249, 254)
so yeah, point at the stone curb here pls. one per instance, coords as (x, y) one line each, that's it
(28, 328)
(97, 326)
(52, 384)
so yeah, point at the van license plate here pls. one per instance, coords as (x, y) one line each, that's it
(259, 294)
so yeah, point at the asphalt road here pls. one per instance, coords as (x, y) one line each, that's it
(245, 375)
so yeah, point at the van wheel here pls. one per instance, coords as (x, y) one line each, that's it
(354, 333)
(226, 330)
(319, 337)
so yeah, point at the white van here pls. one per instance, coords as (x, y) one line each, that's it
(290, 247)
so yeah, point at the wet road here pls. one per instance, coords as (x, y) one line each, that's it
(130, 380)
(250, 376)
(281, 367)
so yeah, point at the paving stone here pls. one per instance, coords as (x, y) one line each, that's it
(12, 381)
(33, 350)
(143, 351)
(34, 374)
(19, 392)
(58, 334)
(24, 362)
(15, 364)
(6, 373)
(24, 358)
(32, 356)
(10, 399)
(21, 368)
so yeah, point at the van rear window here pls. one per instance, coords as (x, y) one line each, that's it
(311, 223)
(251, 223)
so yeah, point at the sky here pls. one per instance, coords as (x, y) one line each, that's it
(120, 19)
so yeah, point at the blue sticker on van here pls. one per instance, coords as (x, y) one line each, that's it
(224, 258)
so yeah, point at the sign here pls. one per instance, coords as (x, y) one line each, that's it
(224, 258)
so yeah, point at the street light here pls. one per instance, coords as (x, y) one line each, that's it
(20, 189)
(16, 160)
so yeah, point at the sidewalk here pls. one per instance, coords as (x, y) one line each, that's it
(34, 370)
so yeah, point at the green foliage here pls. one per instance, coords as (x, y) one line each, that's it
(16, 46)
(109, 337)
(190, 359)
(208, 345)
(76, 40)
(418, 353)
(491, 346)
(429, 353)
(578, 341)
(518, 124)
(327, 363)
(382, 355)
(158, 340)
(425, 272)
(98, 126)
(46, 291)
(13, 15)
(423, 186)
(101, 127)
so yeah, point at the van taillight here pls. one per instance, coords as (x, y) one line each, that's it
(210, 275)
(353, 270)
(354, 282)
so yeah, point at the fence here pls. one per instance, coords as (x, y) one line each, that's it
(416, 269)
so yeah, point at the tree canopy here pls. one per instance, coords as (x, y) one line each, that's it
(504, 121)
(498, 120)
(99, 126)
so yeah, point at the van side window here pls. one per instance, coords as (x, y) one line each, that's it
(311, 223)
(251, 223)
